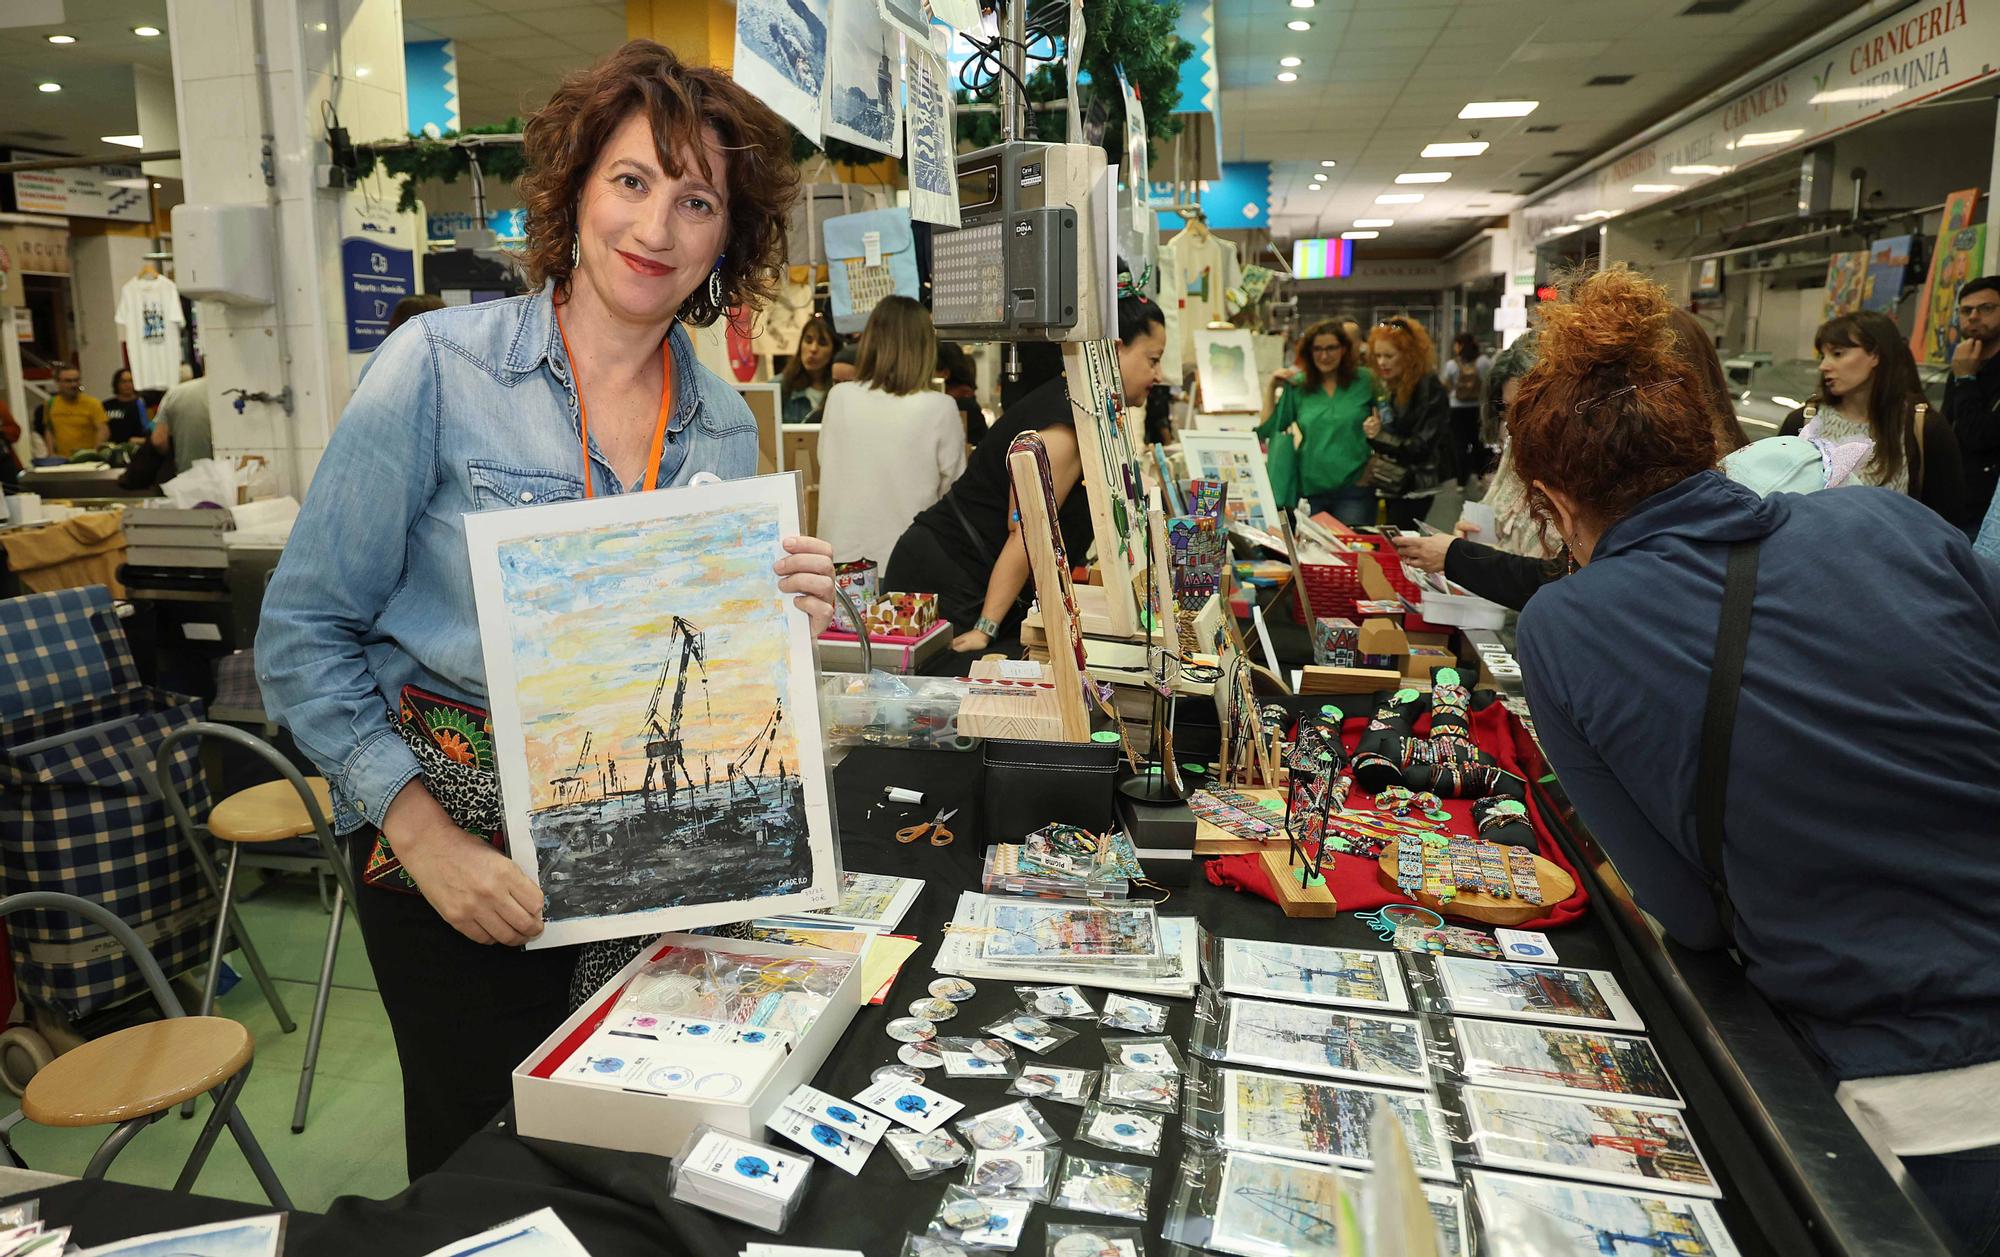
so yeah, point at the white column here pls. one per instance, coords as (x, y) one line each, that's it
(159, 124)
(232, 103)
(10, 373)
(1992, 266)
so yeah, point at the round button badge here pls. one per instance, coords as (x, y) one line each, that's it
(911, 1030)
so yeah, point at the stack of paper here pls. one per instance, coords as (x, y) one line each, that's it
(1006, 939)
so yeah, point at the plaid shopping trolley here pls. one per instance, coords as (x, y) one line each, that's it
(78, 809)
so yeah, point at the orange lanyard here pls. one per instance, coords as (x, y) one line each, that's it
(583, 412)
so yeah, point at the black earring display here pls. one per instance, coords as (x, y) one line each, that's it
(1376, 758)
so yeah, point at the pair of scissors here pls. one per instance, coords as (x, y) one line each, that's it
(932, 828)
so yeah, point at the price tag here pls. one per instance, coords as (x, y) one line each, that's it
(871, 248)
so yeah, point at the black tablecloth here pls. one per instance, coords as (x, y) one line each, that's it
(616, 1202)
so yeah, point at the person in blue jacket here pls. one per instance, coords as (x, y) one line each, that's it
(1859, 866)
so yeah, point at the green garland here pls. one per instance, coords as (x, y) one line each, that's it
(438, 160)
(1148, 51)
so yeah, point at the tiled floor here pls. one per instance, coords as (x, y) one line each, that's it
(353, 1140)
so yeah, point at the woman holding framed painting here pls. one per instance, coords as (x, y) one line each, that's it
(657, 194)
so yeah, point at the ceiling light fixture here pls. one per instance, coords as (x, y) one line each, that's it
(156, 187)
(1399, 198)
(1699, 170)
(1425, 176)
(1591, 216)
(1499, 109)
(1656, 187)
(146, 32)
(1303, 4)
(1766, 139)
(1287, 77)
(1288, 61)
(49, 87)
(1465, 148)
(62, 39)
(1329, 163)
(126, 141)
(1298, 24)
(1359, 235)
(1374, 222)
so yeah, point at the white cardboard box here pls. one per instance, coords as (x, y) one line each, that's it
(636, 1121)
(1460, 608)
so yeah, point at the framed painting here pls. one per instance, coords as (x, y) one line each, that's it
(654, 709)
(1234, 457)
(1226, 365)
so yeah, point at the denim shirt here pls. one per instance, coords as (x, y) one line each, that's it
(469, 408)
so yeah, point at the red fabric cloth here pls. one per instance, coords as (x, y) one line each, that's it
(1353, 880)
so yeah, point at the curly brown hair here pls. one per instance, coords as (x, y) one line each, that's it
(1418, 355)
(1343, 375)
(682, 101)
(1614, 411)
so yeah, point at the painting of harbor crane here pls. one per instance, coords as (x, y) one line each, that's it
(652, 700)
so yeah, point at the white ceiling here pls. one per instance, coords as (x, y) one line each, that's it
(95, 73)
(511, 53)
(1380, 79)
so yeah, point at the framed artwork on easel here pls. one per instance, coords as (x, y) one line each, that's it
(1236, 458)
(1226, 365)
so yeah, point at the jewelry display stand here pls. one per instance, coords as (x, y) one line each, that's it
(1031, 496)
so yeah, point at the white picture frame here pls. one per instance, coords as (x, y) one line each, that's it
(1225, 361)
(1237, 458)
(587, 611)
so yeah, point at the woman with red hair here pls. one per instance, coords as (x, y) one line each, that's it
(1410, 434)
(1712, 688)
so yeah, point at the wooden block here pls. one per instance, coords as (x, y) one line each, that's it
(1318, 680)
(1029, 714)
(1556, 886)
(1296, 900)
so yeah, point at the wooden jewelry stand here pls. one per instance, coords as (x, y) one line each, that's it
(1111, 483)
(1051, 582)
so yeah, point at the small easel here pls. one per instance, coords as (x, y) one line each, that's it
(1110, 481)
(1052, 591)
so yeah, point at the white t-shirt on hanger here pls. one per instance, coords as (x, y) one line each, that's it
(1208, 269)
(149, 318)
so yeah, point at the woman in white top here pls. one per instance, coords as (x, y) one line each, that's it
(889, 444)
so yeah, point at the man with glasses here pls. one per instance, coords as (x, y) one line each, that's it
(1972, 396)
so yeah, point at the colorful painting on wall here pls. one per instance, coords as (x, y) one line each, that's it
(654, 709)
(1888, 264)
(1954, 256)
(1846, 283)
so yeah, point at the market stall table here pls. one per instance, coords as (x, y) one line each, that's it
(616, 1202)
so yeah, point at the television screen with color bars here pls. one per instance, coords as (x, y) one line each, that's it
(1322, 259)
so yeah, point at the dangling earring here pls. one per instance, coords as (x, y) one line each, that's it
(715, 287)
(575, 252)
(1568, 557)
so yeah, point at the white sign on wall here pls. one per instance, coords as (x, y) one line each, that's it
(1919, 53)
(119, 192)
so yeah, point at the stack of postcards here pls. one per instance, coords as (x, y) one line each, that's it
(1123, 946)
(1064, 862)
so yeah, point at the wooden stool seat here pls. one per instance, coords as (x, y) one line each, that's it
(139, 1070)
(267, 813)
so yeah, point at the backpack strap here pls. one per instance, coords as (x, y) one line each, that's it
(1718, 721)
